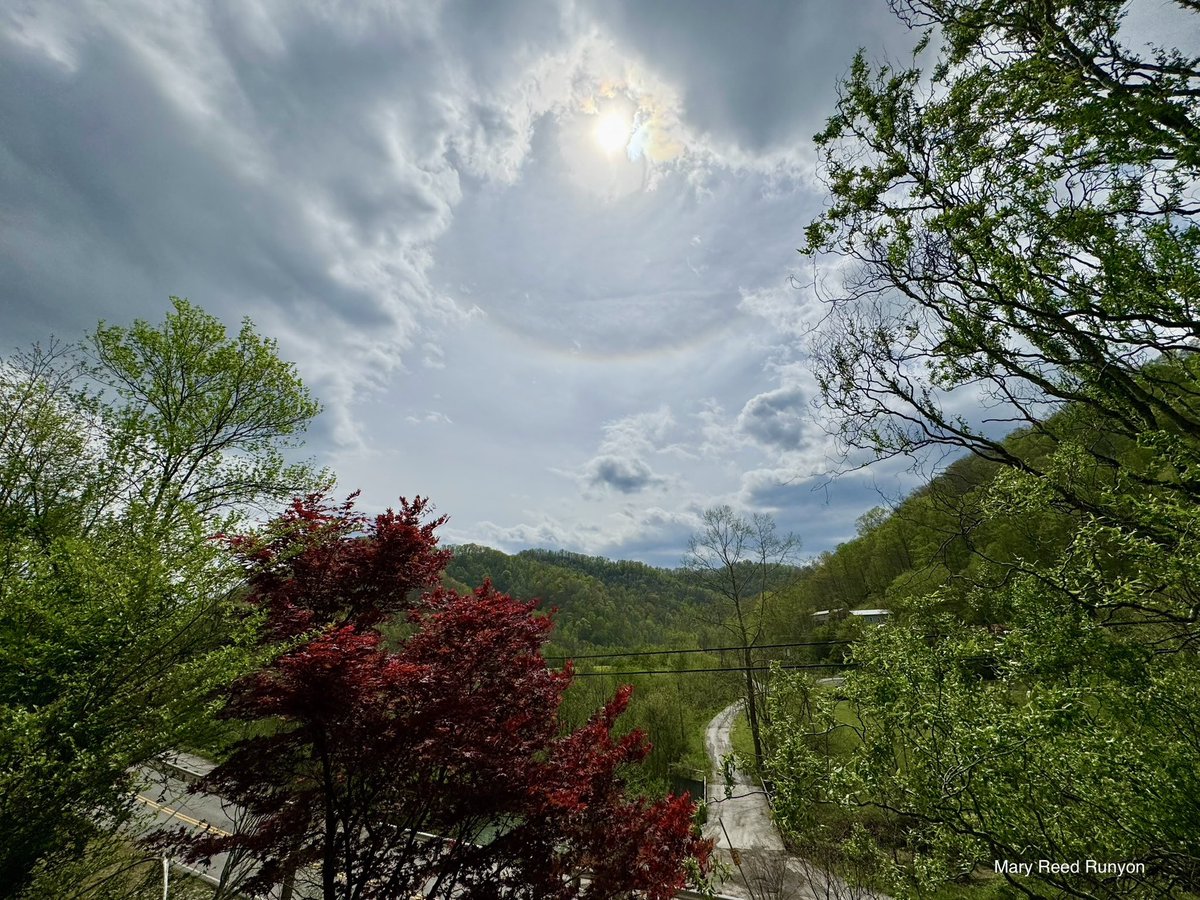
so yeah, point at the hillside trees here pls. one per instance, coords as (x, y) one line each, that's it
(1019, 227)
(451, 730)
(600, 603)
(114, 621)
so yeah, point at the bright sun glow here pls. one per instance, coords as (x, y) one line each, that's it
(612, 131)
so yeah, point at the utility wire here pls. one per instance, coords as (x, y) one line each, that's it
(825, 665)
(723, 669)
(703, 650)
(828, 643)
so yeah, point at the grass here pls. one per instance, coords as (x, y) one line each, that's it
(743, 747)
(843, 741)
(114, 867)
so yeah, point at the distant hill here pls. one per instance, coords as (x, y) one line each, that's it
(600, 602)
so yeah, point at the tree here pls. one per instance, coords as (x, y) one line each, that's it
(48, 466)
(115, 620)
(743, 562)
(202, 419)
(1018, 228)
(431, 760)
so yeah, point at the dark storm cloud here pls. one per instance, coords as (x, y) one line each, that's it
(758, 73)
(276, 161)
(100, 165)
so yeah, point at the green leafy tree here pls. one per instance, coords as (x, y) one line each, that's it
(1018, 225)
(49, 465)
(200, 419)
(119, 459)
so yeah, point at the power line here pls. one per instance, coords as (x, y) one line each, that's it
(828, 643)
(825, 665)
(703, 650)
(843, 665)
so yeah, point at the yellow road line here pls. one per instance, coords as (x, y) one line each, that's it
(183, 817)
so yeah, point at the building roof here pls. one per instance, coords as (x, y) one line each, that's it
(856, 612)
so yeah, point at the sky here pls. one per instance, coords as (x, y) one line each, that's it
(536, 258)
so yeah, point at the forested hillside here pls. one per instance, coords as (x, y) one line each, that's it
(600, 602)
(948, 537)
(621, 607)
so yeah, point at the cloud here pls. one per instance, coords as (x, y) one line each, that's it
(626, 474)
(650, 533)
(719, 439)
(434, 356)
(265, 156)
(620, 464)
(266, 160)
(644, 432)
(778, 419)
(430, 418)
(741, 69)
(510, 538)
(775, 489)
(786, 307)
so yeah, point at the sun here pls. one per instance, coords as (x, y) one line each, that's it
(613, 131)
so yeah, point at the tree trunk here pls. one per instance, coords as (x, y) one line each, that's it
(752, 709)
(330, 857)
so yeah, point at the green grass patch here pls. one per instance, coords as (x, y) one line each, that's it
(743, 746)
(844, 741)
(113, 867)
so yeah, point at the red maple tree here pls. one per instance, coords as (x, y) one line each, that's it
(429, 760)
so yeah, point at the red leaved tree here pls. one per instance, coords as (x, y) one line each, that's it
(429, 763)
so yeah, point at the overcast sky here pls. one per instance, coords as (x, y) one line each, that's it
(533, 257)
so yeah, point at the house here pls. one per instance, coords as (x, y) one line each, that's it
(870, 616)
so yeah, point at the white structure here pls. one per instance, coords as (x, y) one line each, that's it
(870, 616)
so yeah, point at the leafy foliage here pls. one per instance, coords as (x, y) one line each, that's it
(600, 602)
(114, 603)
(1021, 230)
(604, 605)
(202, 418)
(428, 761)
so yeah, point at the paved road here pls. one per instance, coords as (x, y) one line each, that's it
(163, 792)
(744, 820)
(766, 871)
(163, 795)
